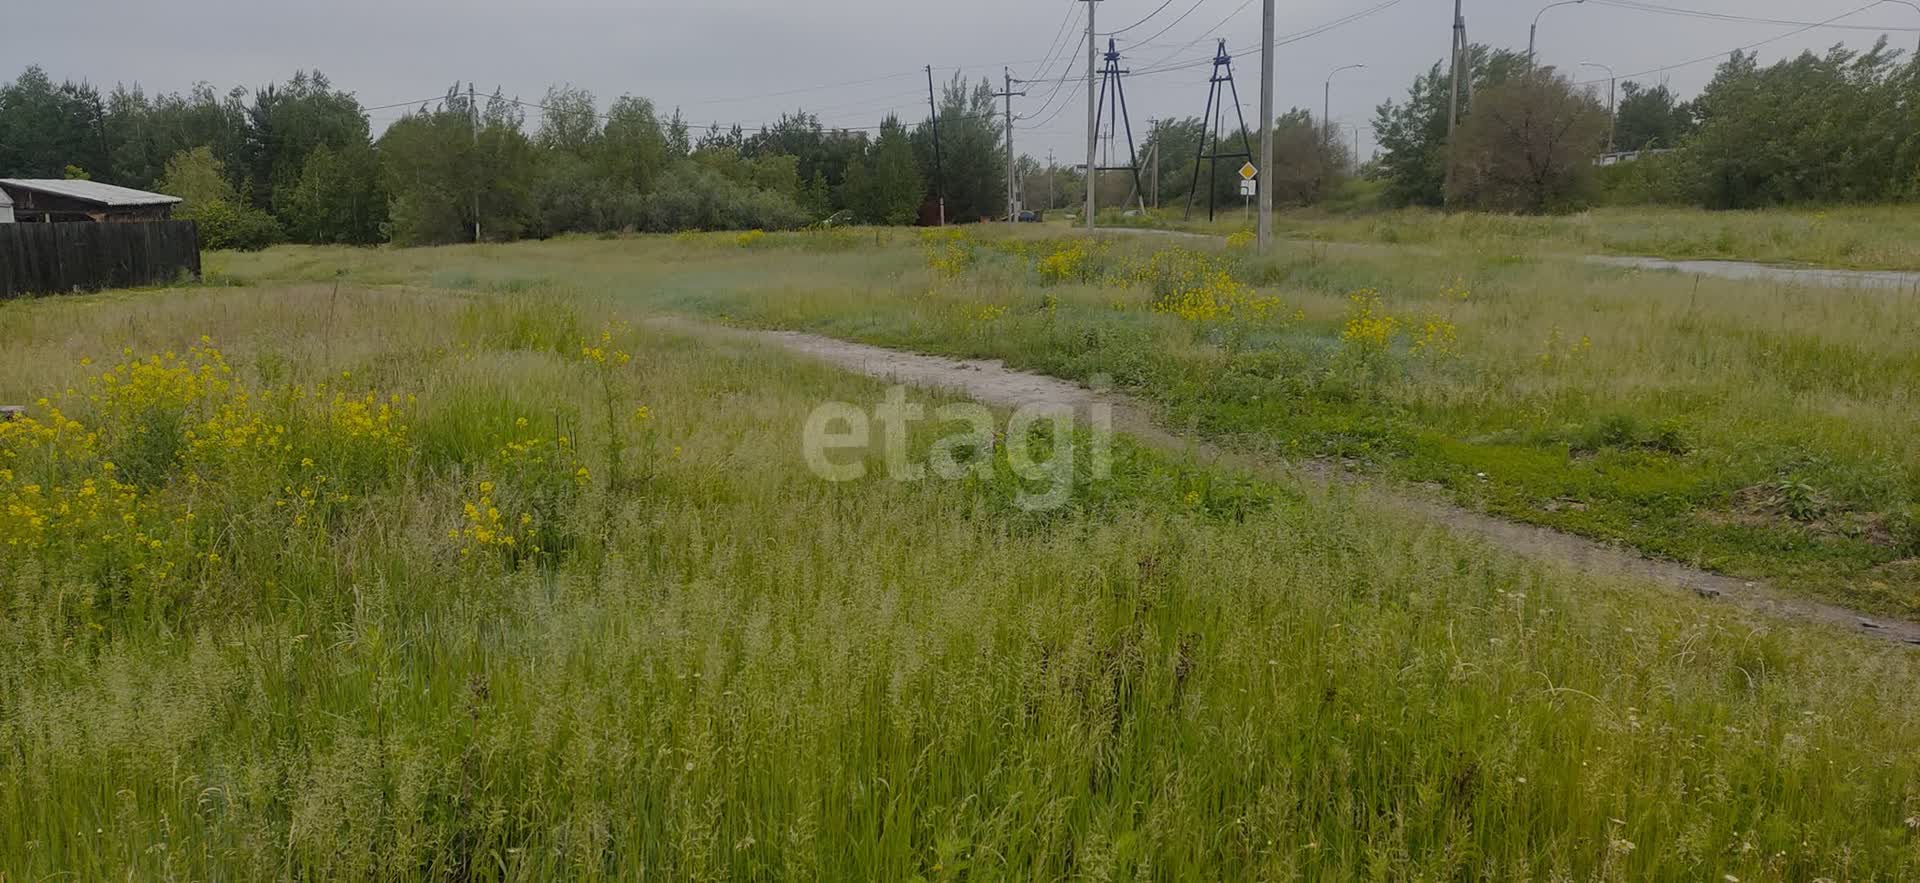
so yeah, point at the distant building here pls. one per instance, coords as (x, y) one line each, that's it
(1614, 159)
(37, 200)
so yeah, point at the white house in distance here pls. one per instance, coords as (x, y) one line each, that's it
(37, 200)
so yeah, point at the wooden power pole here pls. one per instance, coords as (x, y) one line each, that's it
(1453, 99)
(473, 124)
(1093, 110)
(939, 172)
(1264, 239)
(1013, 195)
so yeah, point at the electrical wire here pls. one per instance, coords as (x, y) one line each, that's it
(1058, 84)
(1287, 39)
(1205, 34)
(1747, 48)
(1202, 37)
(1073, 7)
(1742, 19)
(1150, 15)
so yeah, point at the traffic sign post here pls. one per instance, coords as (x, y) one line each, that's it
(1249, 186)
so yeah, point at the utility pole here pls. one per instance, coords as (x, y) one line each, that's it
(1265, 236)
(1153, 147)
(939, 172)
(473, 124)
(1533, 31)
(1613, 115)
(1050, 177)
(1326, 110)
(1013, 195)
(1093, 111)
(1113, 82)
(1911, 3)
(1453, 100)
(1220, 89)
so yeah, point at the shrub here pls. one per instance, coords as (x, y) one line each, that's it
(694, 197)
(1660, 179)
(229, 225)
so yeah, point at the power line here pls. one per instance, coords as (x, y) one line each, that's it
(1208, 33)
(1057, 84)
(1054, 47)
(1743, 19)
(440, 97)
(1749, 47)
(801, 90)
(1150, 15)
(1294, 37)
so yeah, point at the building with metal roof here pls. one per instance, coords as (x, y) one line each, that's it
(6, 208)
(35, 200)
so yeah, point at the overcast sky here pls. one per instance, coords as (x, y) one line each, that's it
(851, 61)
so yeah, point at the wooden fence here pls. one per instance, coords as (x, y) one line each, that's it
(85, 256)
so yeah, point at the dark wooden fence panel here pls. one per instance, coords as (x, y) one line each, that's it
(84, 256)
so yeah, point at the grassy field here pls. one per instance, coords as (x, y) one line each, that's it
(463, 570)
(1861, 238)
(1759, 430)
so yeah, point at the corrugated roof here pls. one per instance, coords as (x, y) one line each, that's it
(5, 199)
(90, 191)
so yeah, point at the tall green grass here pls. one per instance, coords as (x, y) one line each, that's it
(739, 671)
(1847, 237)
(1758, 429)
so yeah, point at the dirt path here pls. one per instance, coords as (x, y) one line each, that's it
(1739, 271)
(994, 383)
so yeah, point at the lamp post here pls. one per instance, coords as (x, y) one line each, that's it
(1613, 116)
(1326, 111)
(1534, 31)
(1916, 8)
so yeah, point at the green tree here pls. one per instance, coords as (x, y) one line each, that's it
(679, 143)
(1651, 118)
(886, 187)
(435, 172)
(224, 220)
(569, 121)
(633, 149)
(284, 124)
(1413, 133)
(1838, 127)
(144, 133)
(815, 197)
(1529, 146)
(1309, 162)
(46, 128)
(337, 198)
(972, 167)
(196, 176)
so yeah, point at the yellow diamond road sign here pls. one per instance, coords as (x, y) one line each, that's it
(1249, 172)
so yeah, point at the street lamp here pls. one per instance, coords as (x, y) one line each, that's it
(1916, 8)
(1613, 117)
(1326, 112)
(1534, 31)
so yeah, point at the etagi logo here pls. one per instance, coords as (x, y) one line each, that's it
(1040, 442)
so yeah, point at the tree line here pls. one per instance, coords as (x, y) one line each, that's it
(298, 161)
(1838, 127)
